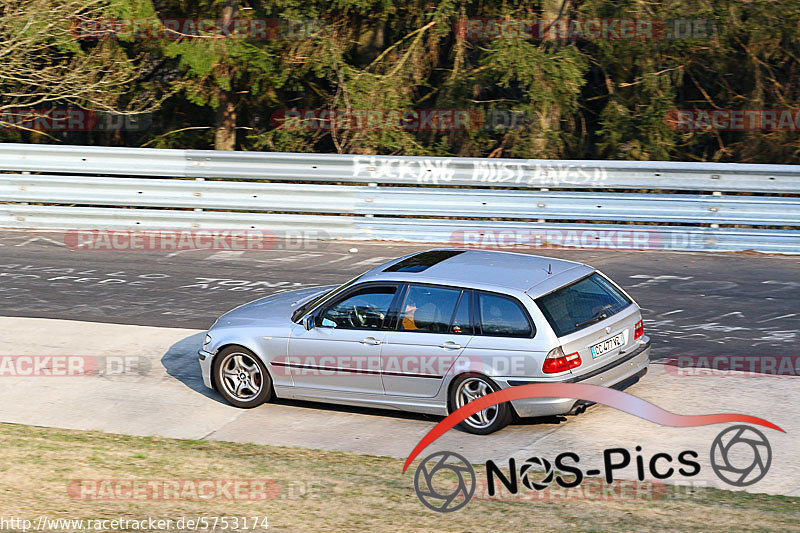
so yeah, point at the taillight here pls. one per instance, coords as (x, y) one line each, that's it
(556, 361)
(638, 330)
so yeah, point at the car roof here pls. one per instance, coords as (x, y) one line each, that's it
(481, 268)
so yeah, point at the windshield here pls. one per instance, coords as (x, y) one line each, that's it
(300, 311)
(581, 304)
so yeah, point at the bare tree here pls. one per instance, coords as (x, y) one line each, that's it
(45, 62)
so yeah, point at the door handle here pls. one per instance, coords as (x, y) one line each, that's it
(450, 344)
(370, 340)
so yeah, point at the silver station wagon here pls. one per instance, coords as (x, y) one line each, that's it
(430, 332)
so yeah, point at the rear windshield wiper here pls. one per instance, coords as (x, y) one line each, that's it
(597, 317)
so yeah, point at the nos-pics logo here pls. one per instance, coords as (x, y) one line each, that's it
(445, 481)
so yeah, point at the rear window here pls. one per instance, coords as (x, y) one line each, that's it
(582, 304)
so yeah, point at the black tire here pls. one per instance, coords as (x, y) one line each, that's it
(253, 390)
(503, 414)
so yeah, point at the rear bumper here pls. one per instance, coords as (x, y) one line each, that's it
(618, 374)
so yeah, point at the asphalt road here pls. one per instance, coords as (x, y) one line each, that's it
(121, 306)
(693, 303)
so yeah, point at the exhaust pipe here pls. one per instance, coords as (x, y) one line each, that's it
(580, 407)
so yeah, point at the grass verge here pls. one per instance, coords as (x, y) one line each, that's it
(325, 491)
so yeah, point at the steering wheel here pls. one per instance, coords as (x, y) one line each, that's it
(363, 313)
(353, 317)
(360, 314)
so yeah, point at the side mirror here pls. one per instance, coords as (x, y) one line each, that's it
(308, 322)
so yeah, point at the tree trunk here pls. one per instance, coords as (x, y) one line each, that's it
(225, 133)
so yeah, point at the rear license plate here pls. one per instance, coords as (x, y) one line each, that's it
(607, 345)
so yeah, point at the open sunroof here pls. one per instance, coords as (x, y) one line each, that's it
(422, 261)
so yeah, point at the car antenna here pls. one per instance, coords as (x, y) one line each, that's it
(549, 268)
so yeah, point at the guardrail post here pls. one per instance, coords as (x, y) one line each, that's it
(199, 209)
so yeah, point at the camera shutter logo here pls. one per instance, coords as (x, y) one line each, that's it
(732, 441)
(539, 463)
(453, 499)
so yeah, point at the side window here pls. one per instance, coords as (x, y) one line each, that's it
(502, 316)
(428, 309)
(462, 323)
(363, 309)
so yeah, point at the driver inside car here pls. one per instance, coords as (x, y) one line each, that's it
(359, 311)
(408, 314)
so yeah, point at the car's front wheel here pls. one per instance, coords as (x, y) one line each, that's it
(470, 387)
(241, 377)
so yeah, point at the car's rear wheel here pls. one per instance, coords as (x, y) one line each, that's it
(470, 387)
(241, 377)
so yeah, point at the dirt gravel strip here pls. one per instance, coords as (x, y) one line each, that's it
(147, 382)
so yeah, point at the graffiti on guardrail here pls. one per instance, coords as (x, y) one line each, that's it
(484, 172)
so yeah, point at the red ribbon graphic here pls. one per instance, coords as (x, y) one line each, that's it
(594, 393)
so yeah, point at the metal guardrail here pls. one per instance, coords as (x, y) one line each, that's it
(401, 198)
(401, 201)
(461, 172)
